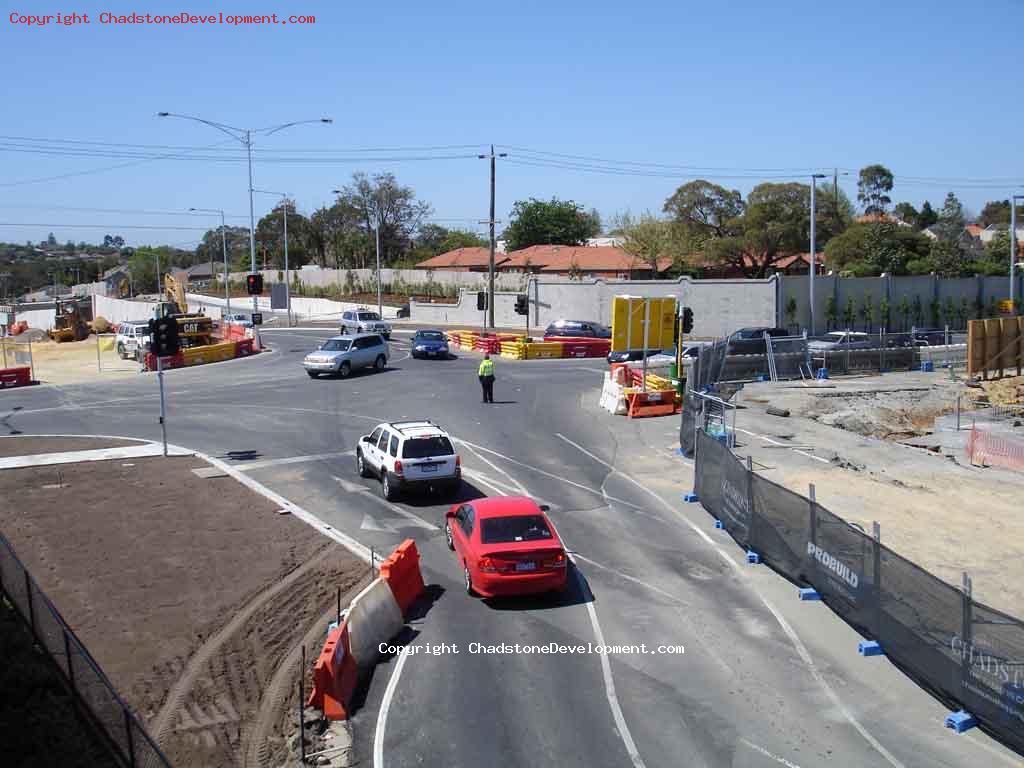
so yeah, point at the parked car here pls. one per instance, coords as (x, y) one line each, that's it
(506, 545)
(132, 340)
(750, 341)
(636, 355)
(930, 337)
(403, 311)
(429, 343)
(364, 321)
(407, 455)
(343, 354)
(579, 328)
(842, 340)
(238, 319)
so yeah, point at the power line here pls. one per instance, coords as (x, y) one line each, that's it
(108, 227)
(119, 210)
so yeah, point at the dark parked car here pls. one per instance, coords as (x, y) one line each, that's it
(929, 337)
(750, 341)
(578, 328)
(635, 355)
(430, 343)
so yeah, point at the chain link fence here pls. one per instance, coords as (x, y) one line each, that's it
(127, 739)
(16, 352)
(967, 654)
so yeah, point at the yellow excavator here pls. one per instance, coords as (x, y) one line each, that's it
(68, 324)
(193, 330)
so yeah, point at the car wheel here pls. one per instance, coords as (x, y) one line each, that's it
(345, 369)
(120, 352)
(380, 363)
(448, 536)
(344, 330)
(313, 374)
(388, 491)
(361, 465)
(468, 580)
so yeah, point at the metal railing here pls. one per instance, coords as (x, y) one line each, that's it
(16, 352)
(127, 739)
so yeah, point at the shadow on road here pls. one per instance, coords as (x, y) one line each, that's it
(466, 492)
(577, 592)
(249, 455)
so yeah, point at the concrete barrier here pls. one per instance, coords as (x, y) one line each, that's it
(373, 618)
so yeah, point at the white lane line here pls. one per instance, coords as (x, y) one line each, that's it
(797, 643)
(776, 442)
(580, 448)
(500, 488)
(263, 464)
(416, 520)
(635, 580)
(518, 486)
(540, 471)
(385, 706)
(769, 755)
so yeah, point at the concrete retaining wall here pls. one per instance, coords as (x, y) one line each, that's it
(414, 278)
(121, 310)
(719, 306)
(36, 318)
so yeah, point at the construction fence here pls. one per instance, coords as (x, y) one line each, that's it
(967, 654)
(128, 740)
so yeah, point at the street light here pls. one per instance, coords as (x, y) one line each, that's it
(287, 277)
(380, 222)
(491, 222)
(1013, 249)
(224, 246)
(244, 135)
(814, 184)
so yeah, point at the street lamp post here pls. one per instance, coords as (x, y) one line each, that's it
(813, 270)
(224, 247)
(1014, 254)
(491, 222)
(287, 276)
(244, 135)
(380, 223)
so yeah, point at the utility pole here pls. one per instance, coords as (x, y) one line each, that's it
(380, 301)
(491, 222)
(813, 265)
(835, 198)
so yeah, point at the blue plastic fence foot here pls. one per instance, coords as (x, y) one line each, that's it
(809, 593)
(718, 525)
(690, 497)
(822, 373)
(961, 721)
(869, 648)
(762, 377)
(927, 367)
(885, 370)
(752, 557)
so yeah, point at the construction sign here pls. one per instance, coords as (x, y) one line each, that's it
(639, 322)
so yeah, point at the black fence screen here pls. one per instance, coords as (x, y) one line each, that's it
(965, 653)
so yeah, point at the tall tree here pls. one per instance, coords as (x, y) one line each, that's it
(950, 220)
(554, 222)
(210, 247)
(704, 210)
(873, 188)
(649, 240)
(337, 236)
(906, 213)
(270, 234)
(380, 199)
(51, 240)
(995, 212)
(927, 217)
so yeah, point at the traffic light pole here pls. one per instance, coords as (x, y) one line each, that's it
(160, 377)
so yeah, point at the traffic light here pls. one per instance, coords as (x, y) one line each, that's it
(163, 335)
(481, 300)
(687, 320)
(254, 284)
(522, 304)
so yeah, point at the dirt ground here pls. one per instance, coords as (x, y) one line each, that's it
(75, 362)
(191, 593)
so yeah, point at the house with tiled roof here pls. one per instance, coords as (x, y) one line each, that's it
(471, 259)
(605, 261)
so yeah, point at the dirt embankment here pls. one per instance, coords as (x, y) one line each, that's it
(189, 592)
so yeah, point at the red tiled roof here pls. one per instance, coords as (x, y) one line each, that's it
(462, 258)
(974, 230)
(562, 258)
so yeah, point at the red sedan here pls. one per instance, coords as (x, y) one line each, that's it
(506, 545)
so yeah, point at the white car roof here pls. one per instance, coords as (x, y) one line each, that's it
(414, 429)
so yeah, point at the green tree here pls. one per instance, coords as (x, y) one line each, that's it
(51, 240)
(927, 216)
(831, 312)
(935, 311)
(379, 200)
(705, 211)
(951, 221)
(903, 309)
(949, 310)
(554, 222)
(995, 212)
(791, 310)
(885, 313)
(338, 236)
(873, 187)
(946, 259)
(650, 240)
(867, 311)
(906, 213)
(963, 311)
(237, 238)
(849, 313)
(270, 232)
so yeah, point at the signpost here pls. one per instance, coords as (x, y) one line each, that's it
(257, 318)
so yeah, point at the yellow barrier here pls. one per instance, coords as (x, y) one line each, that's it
(515, 350)
(546, 349)
(211, 353)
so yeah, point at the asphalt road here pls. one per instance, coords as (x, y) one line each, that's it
(764, 680)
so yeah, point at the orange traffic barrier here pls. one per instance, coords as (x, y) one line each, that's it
(401, 571)
(15, 377)
(243, 347)
(172, 361)
(650, 404)
(334, 676)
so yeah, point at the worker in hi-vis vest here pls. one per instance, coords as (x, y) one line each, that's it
(486, 374)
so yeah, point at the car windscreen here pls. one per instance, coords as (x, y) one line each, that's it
(369, 316)
(499, 530)
(430, 336)
(422, 447)
(336, 345)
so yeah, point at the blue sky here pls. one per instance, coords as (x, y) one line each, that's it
(924, 88)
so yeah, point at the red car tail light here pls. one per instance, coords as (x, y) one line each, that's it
(487, 565)
(458, 460)
(558, 561)
(398, 467)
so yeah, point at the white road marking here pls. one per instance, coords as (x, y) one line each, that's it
(580, 448)
(263, 464)
(518, 486)
(635, 580)
(801, 649)
(99, 454)
(783, 445)
(769, 755)
(416, 521)
(385, 706)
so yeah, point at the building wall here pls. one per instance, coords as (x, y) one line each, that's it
(322, 278)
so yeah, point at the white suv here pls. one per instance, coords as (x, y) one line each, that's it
(409, 454)
(364, 321)
(132, 339)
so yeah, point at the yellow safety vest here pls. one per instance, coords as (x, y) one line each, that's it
(486, 368)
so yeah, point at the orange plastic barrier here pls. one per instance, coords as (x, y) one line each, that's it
(650, 404)
(243, 348)
(586, 348)
(15, 377)
(334, 676)
(401, 571)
